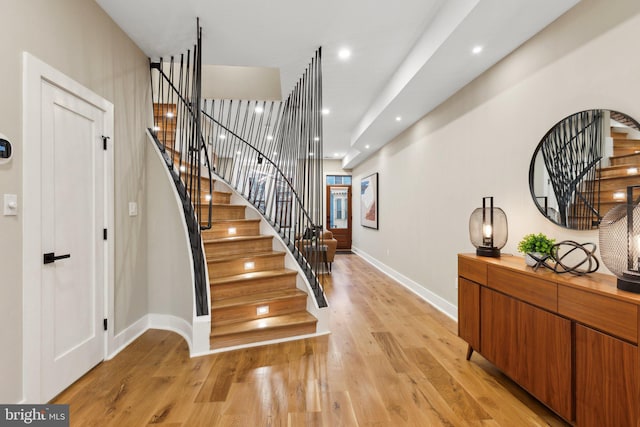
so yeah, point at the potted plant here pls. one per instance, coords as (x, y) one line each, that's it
(538, 245)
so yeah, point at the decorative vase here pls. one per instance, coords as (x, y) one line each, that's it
(530, 260)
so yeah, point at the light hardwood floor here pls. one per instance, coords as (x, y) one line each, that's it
(391, 360)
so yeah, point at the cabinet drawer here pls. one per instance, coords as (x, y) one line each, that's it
(523, 287)
(610, 315)
(472, 269)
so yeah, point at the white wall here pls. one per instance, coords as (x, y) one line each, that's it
(480, 142)
(168, 249)
(79, 39)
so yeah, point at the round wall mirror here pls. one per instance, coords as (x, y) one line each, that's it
(583, 165)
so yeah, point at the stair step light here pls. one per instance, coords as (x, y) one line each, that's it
(619, 236)
(488, 229)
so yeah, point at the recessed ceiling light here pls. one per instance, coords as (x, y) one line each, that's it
(258, 110)
(398, 118)
(344, 54)
(275, 153)
(476, 49)
(269, 137)
(366, 146)
(156, 128)
(238, 153)
(311, 154)
(335, 154)
(170, 115)
(325, 111)
(317, 138)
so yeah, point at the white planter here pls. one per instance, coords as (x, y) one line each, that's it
(530, 261)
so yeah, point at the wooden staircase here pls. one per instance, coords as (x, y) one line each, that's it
(624, 170)
(254, 298)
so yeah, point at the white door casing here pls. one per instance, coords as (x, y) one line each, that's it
(67, 202)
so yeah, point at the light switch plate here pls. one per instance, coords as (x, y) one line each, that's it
(133, 209)
(10, 204)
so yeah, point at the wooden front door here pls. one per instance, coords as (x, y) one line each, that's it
(339, 214)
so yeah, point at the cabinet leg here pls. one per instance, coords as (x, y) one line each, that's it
(469, 352)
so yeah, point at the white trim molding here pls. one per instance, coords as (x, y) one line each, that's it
(152, 321)
(435, 300)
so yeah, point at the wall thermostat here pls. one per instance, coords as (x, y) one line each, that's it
(5, 149)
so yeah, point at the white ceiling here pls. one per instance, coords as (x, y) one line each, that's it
(408, 56)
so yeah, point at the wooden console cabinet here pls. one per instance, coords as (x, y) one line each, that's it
(572, 342)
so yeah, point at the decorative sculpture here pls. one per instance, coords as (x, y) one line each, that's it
(561, 251)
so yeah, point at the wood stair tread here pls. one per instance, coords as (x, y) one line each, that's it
(615, 167)
(226, 205)
(237, 239)
(262, 324)
(614, 177)
(259, 298)
(230, 221)
(247, 256)
(253, 275)
(622, 156)
(205, 192)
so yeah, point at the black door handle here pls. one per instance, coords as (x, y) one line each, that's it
(51, 257)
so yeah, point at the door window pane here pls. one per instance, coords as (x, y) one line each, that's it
(338, 207)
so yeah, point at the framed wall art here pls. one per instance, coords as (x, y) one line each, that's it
(369, 201)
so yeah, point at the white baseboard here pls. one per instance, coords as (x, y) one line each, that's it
(172, 323)
(126, 337)
(151, 321)
(435, 300)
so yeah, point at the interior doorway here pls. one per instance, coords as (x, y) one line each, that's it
(67, 208)
(338, 209)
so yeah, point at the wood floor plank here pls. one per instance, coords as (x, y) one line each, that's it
(391, 360)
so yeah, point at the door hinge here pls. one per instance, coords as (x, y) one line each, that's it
(104, 323)
(104, 142)
(104, 234)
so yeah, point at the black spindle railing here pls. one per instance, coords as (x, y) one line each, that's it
(571, 151)
(176, 95)
(271, 153)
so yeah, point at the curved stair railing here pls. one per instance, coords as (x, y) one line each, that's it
(570, 152)
(285, 187)
(270, 152)
(176, 94)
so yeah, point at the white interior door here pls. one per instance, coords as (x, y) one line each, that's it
(73, 213)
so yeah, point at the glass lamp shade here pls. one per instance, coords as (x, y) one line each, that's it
(619, 238)
(488, 230)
